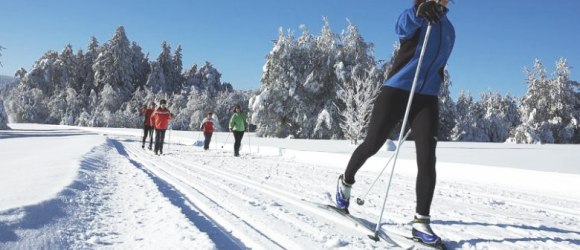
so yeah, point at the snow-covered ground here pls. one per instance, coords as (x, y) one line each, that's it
(77, 188)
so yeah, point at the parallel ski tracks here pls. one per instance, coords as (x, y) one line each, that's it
(215, 179)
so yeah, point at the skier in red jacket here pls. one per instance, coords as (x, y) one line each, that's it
(147, 111)
(207, 127)
(160, 120)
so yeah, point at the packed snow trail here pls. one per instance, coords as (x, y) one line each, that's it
(125, 197)
(265, 195)
(253, 210)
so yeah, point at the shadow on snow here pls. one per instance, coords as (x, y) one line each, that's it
(218, 235)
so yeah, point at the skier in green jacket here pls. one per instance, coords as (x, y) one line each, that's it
(238, 126)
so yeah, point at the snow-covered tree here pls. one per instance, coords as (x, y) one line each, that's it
(499, 116)
(273, 108)
(210, 80)
(114, 68)
(548, 109)
(359, 82)
(171, 67)
(1, 48)
(140, 66)
(156, 81)
(108, 84)
(359, 97)
(301, 82)
(468, 125)
(446, 110)
(3, 117)
(27, 105)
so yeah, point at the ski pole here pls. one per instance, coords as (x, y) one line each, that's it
(249, 144)
(228, 137)
(169, 139)
(361, 201)
(407, 111)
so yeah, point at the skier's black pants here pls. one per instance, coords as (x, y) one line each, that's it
(238, 135)
(148, 130)
(207, 140)
(388, 111)
(159, 138)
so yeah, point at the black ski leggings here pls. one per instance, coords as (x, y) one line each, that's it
(238, 135)
(159, 138)
(148, 130)
(207, 140)
(388, 111)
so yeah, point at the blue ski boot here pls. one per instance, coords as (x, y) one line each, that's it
(423, 233)
(342, 193)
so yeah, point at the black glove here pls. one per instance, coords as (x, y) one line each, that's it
(431, 11)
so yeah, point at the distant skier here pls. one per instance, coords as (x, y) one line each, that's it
(238, 126)
(207, 127)
(160, 120)
(147, 111)
(389, 107)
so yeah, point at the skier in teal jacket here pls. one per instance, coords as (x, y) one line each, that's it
(389, 107)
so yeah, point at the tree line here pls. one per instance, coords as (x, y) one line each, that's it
(107, 85)
(312, 86)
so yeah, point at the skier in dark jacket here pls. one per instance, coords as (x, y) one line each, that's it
(147, 111)
(389, 107)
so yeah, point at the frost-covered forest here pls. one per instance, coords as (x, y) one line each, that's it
(107, 85)
(313, 86)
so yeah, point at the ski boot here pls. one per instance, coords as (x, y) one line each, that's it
(342, 194)
(423, 233)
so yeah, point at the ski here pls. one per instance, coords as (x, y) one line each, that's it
(394, 238)
(359, 223)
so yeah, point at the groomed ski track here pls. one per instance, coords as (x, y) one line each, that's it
(211, 188)
(265, 202)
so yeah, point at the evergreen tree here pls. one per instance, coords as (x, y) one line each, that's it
(114, 68)
(469, 125)
(3, 117)
(499, 116)
(192, 79)
(171, 67)
(140, 66)
(178, 68)
(1, 48)
(210, 80)
(156, 80)
(359, 97)
(548, 109)
(359, 82)
(446, 110)
(273, 107)
(302, 79)
(107, 85)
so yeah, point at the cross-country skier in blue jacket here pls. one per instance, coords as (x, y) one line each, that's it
(389, 107)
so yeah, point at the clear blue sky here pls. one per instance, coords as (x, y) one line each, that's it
(495, 39)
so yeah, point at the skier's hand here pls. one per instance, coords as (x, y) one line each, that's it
(431, 11)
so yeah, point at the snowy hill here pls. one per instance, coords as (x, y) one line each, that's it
(77, 188)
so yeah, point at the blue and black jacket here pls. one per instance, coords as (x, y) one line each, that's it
(411, 31)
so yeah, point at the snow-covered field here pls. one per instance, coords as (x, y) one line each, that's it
(83, 188)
